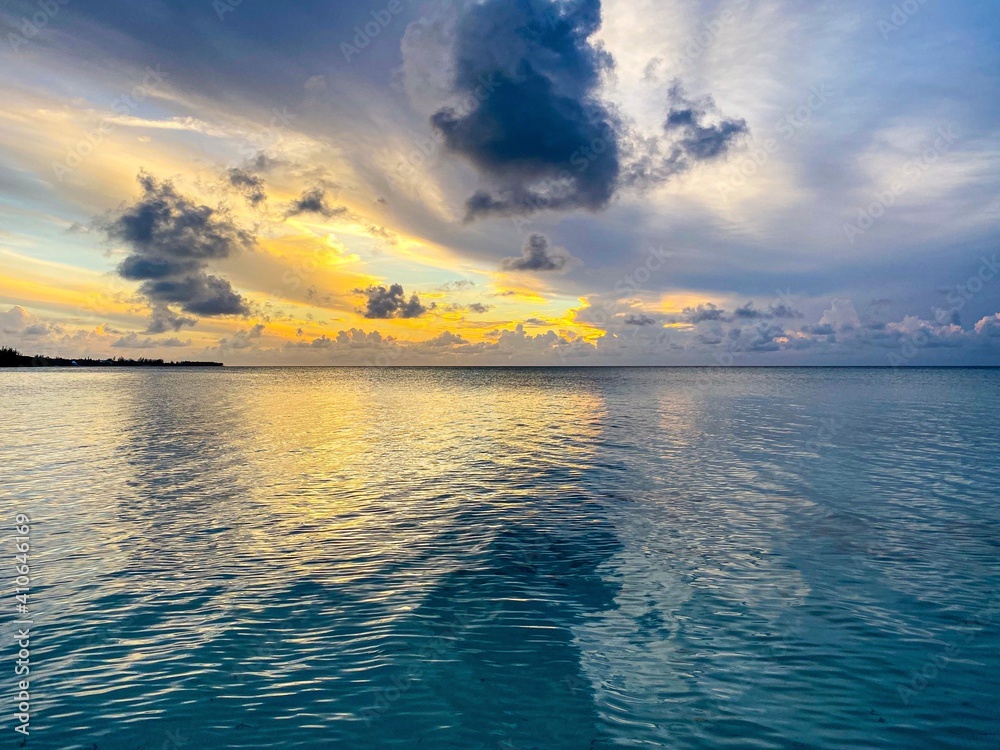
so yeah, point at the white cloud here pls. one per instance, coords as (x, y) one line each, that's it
(989, 326)
(841, 316)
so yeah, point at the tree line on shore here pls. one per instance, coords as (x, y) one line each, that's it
(10, 357)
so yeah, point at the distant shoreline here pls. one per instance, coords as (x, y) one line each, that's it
(13, 358)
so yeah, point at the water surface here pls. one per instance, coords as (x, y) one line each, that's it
(507, 559)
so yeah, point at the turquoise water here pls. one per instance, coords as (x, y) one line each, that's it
(506, 559)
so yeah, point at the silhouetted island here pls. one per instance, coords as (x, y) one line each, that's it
(12, 358)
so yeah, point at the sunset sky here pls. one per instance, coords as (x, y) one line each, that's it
(502, 181)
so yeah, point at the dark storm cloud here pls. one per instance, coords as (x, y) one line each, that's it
(538, 255)
(314, 201)
(200, 294)
(391, 302)
(172, 241)
(250, 186)
(530, 122)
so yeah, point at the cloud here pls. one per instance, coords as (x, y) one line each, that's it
(822, 329)
(453, 286)
(784, 311)
(199, 294)
(573, 151)
(315, 84)
(264, 162)
(477, 308)
(696, 140)
(243, 339)
(688, 139)
(391, 302)
(354, 340)
(133, 341)
(323, 342)
(164, 319)
(526, 75)
(841, 316)
(703, 313)
(927, 334)
(639, 320)
(445, 340)
(750, 312)
(15, 320)
(172, 240)
(382, 233)
(710, 313)
(952, 316)
(250, 186)
(36, 331)
(314, 201)
(538, 255)
(989, 326)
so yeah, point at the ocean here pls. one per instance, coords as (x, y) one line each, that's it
(513, 559)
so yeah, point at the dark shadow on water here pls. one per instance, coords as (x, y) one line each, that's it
(496, 665)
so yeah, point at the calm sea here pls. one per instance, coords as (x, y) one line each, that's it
(508, 559)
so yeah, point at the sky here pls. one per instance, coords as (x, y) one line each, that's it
(502, 182)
